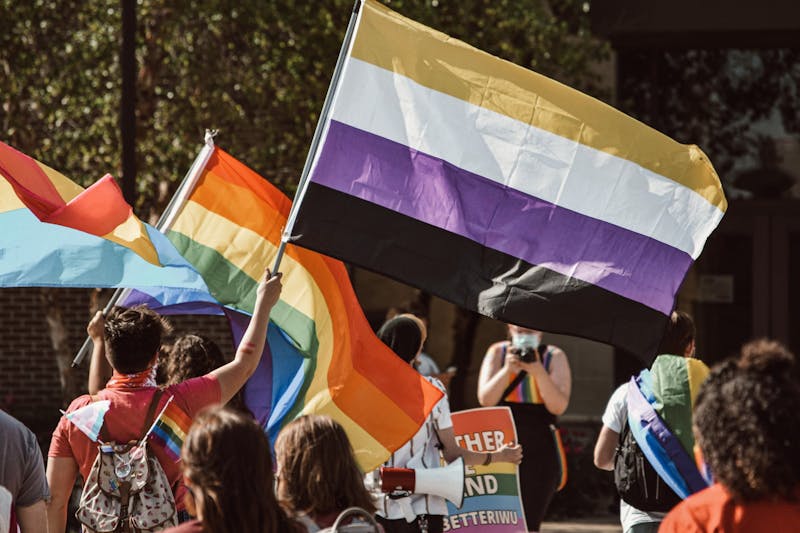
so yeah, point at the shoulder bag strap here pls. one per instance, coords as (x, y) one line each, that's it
(511, 386)
(541, 350)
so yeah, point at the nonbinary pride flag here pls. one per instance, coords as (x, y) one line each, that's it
(323, 357)
(503, 191)
(57, 234)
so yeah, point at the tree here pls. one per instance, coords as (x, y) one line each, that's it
(712, 97)
(257, 71)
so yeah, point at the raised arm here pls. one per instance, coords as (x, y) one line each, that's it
(99, 367)
(494, 375)
(232, 376)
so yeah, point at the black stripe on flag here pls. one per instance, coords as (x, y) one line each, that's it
(470, 275)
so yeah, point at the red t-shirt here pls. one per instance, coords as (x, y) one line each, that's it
(124, 420)
(714, 510)
(192, 526)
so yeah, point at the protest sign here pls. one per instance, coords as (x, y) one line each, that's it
(491, 493)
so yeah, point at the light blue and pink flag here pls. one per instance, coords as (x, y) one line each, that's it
(58, 234)
(89, 419)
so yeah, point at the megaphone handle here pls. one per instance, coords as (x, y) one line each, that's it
(408, 510)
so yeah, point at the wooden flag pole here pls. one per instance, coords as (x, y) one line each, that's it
(164, 223)
(322, 125)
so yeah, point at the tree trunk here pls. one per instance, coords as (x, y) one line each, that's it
(59, 338)
(464, 327)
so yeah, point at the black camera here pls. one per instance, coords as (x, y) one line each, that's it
(527, 354)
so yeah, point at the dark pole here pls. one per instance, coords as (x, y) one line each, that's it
(127, 115)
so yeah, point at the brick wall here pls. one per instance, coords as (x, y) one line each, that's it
(30, 384)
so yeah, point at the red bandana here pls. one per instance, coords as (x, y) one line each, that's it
(144, 379)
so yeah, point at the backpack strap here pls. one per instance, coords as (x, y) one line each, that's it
(151, 411)
(543, 352)
(103, 434)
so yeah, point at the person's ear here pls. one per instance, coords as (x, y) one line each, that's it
(690, 349)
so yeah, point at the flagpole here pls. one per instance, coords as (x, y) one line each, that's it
(160, 414)
(322, 124)
(164, 223)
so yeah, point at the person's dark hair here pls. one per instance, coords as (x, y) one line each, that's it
(133, 337)
(679, 334)
(317, 472)
(747, 425)
(191, 356)
(403, 334)
(228, 468)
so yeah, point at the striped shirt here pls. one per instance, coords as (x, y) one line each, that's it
(422, 451)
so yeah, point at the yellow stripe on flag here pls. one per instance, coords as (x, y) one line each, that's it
(435, 60)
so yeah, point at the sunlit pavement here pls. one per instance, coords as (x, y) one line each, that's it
(609, 524)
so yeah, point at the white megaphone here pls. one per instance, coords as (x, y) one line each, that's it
(447, 482)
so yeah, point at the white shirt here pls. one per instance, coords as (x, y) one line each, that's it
(422, 451)
(614, 418)
(427, 366)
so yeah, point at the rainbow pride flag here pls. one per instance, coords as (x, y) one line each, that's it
(660, 402)
(323, 357)
(170, 429)
(55, 233)
(501, 190)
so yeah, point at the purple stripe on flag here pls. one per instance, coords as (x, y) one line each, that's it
(436, 192)
(173, 301)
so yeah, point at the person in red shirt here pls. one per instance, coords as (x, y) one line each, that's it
(131, 339)
(748, 429)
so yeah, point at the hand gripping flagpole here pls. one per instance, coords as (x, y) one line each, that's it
(164, 223)
(322, 127)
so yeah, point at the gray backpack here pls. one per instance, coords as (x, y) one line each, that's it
(361, 521)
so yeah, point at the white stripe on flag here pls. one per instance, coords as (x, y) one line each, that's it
(529, 159)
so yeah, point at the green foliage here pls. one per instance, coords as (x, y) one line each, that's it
(257, 71)
(714, 97)
(59, 84)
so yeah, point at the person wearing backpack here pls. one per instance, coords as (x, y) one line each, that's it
(128, 467)
(645, 496)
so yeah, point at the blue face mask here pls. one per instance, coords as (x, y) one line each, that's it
(525, 340)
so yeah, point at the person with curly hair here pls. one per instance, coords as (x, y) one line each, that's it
(191, 356)
(748, 431)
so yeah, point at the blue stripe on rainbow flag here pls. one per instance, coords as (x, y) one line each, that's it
(172, 448)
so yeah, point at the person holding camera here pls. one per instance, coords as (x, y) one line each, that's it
(534, 380)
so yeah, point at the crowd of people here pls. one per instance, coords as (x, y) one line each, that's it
(742, 423)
